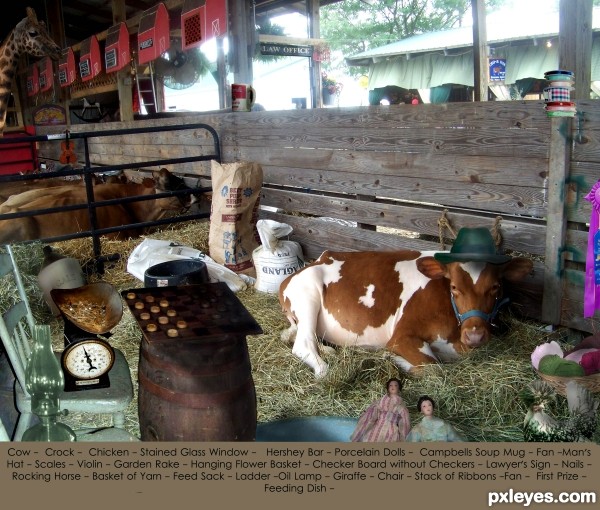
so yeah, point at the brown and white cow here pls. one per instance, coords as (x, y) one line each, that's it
(73, 221)
(398, 300)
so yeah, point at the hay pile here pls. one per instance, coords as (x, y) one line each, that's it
(478, 394)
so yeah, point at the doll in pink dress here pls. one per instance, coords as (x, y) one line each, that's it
(386, 419)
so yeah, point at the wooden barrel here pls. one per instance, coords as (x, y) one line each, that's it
(197, 390)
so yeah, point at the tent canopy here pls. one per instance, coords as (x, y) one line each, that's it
(434, 59)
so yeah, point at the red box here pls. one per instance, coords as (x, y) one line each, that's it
(66, 68)
(90, 62)
(116, 51)
(17, 158)
(46, 76)
(153, 33)
(32, 80)
(193, 23)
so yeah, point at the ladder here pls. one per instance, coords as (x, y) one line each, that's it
(146, 90)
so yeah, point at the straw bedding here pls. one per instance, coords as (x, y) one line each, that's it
(478, 394)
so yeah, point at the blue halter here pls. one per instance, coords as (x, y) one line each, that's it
(488, 317)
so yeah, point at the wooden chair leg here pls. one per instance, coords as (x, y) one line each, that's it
(119, 420)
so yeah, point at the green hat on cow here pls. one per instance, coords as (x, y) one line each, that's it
(473, 244)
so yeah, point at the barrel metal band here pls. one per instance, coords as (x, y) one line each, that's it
(209, 370)
(195, 400)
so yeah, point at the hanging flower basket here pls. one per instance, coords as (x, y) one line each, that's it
(330, 89)
(328, 97)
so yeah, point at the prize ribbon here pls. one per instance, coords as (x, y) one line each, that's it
(591, 301)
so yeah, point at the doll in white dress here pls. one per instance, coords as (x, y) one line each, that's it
(431, 428)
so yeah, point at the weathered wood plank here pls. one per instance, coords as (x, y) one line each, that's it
(450, 141)
(582, 177)
(424, 188)
(527, 237)
(470, 169)
(572, 304)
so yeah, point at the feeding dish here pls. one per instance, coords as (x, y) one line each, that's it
(307, 429)
(95, 308)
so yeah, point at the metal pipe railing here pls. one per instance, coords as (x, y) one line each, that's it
(88, 170)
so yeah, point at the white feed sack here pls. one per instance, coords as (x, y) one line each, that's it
(277, 258)
(233, 236)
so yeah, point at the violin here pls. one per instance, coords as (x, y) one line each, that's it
(68, 155)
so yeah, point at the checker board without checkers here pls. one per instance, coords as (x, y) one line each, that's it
(165, 314)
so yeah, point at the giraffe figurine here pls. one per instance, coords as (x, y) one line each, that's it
(28, 37)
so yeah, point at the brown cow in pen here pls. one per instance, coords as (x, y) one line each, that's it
(73, 221)
(424, 307)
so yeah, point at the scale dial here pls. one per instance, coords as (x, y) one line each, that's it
(88, 359)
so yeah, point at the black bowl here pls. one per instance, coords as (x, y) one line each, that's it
(176, 272)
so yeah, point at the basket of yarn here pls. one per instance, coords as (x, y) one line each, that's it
(581, 364)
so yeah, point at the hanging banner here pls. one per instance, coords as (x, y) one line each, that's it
(288, 50)
(591, 301)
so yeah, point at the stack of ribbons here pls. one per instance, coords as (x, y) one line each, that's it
(558, 94)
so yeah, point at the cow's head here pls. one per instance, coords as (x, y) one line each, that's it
(475, 290)
(165, 181)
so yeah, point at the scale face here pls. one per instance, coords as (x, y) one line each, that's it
(86, 364)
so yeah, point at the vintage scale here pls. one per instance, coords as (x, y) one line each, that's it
(88, 311)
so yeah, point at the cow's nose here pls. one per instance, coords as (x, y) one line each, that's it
(474, 336)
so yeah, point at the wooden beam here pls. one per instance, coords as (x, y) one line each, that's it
(282, 39)
(575, 43)
(124, 80)
(480, 52)
(314, 17)
(556, 219)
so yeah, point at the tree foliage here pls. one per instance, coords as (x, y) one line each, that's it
(353, 26)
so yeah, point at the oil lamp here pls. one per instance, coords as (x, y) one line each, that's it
(44, 380)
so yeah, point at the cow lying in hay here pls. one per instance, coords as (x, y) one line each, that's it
(421, 306)
(73, 221)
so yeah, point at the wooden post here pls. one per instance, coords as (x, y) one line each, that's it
(224, 96)
(480, 52)
(124, 80)
(238, 41)
(314, 31)
(556, 220)
(575, 43)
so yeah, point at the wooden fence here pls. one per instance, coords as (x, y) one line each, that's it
(408, 176)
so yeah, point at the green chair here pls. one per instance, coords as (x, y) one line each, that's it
(3, 433)
(16, 324)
